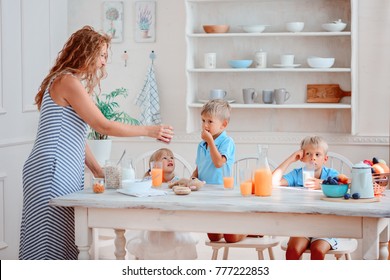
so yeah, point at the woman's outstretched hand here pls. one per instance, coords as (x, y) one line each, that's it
(162, 133)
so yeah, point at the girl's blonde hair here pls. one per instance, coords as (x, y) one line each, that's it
(157, 156)
(79, 56)
(315, 141)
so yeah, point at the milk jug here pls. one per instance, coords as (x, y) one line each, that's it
(362, 180)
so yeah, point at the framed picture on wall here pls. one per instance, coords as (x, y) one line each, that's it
(113, 20)
(145, 25)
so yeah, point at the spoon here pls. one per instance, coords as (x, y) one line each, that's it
(123, 154)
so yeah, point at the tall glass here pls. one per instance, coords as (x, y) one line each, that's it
(245, 179)
(228, 178)
(156, 173)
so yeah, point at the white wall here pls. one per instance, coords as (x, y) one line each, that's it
(372, 138)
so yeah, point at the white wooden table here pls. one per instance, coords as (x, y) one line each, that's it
(288, 212)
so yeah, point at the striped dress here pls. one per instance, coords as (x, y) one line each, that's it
(54, 168)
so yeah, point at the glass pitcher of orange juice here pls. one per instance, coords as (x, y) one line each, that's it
(262, 174)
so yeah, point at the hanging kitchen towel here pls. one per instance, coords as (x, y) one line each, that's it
(148, 99)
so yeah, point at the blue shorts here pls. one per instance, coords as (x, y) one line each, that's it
(332, 241)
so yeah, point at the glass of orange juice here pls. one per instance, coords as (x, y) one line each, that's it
(228, 179)
(245, 180)
(157, 173)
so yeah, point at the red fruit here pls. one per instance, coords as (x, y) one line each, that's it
(342, 179)
(368, 162)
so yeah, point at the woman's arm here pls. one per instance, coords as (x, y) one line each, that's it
(92, 163)
(68, 90)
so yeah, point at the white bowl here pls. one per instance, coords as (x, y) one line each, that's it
(137, 185)
(334, 26)
(320, 62)
(254, 28)
(295, 26)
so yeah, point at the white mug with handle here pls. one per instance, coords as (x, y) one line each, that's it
(281, 95)
(249, 95)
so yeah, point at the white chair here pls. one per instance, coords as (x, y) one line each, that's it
(183, 169)
(345, 248)
(340, 163)
(250, 162)
(141, 164)
(258, 243)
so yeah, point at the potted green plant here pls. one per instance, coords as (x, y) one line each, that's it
(107, 104)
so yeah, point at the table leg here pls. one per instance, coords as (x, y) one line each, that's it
(383, 243)
(83, 234)
(374, 232)
(120, 243)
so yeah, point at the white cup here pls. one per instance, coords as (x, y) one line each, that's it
(307, 173)
(287, 59)
(217, 94)
(210, 60)
(249, 95)
(281, 95)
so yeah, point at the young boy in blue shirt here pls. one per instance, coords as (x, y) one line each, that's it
(215, 150)
(313, 151)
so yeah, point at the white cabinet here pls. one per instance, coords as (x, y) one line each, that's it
(295, 115)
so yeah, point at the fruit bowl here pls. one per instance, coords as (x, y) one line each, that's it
(216, 28)
(240, 63)
(320, 62)
(380, 182)
(334, 190)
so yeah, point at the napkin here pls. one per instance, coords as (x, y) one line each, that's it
(142, 193)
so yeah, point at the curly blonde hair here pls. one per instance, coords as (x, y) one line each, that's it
(78, 57)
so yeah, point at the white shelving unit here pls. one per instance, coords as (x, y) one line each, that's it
(327, 117)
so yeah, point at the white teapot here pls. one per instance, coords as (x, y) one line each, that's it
(362, 180)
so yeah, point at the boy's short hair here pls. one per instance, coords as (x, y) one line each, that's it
(316, 141)
(217, 108)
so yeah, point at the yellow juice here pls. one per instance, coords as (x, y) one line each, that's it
(263, 182)
(246, 188)
(228, 182)
(157, 177)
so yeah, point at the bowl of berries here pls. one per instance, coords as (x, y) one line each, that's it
(335, 186)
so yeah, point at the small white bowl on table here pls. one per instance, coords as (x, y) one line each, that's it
(137, 185)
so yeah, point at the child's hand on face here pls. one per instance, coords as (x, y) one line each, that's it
(298, 155)
(206, 136)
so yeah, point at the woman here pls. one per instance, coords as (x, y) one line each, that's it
(55, 166)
